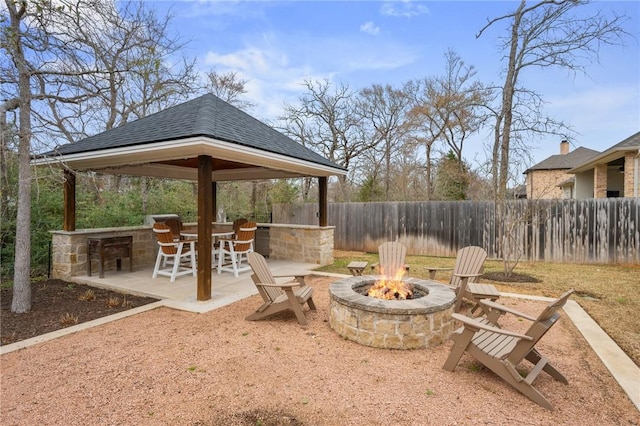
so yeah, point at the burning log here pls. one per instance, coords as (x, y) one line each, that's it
(391, 289)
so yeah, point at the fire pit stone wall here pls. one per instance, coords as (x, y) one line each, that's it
(391, 324)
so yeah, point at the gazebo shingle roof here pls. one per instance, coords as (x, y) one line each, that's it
(206, 116)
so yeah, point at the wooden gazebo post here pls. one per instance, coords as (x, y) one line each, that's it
(322, 202)
(214, 200)
(69, 201)
(205, 224)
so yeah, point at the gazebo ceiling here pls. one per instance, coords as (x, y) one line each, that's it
(168, 144)
(179, 160)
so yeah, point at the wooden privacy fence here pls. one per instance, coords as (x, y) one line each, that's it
(578, 231)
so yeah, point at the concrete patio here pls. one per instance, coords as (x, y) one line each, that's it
(181, 294)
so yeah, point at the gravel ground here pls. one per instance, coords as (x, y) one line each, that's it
(171, 367)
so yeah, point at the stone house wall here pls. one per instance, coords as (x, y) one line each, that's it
(629, 173)
(543, 184)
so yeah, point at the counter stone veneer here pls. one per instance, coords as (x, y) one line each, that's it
(298, 243)
(69, 249)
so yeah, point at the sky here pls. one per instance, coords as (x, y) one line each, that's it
(277, 45)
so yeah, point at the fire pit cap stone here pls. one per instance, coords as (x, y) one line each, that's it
(438, 296)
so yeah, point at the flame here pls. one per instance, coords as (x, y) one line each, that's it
(391, 288)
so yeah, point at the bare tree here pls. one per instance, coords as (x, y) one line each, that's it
(547, 33)
(133, 72)
(465, 97)
(228, 87)
(296, 127)
(385, 110)
(448, 108)
(326, 120)
(409, 180)
(125, 50)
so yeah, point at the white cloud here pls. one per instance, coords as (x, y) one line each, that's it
(370, 28)
(404, 9)
(588, 110)
(271, 78)
(248, 60)
(275, 66)
(601, 116)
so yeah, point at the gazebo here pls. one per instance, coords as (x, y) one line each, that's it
(206, 140)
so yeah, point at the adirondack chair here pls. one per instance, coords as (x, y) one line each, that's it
(173, 254)
(279, 297)
(237, 249)
(467, 271)
(502, 350)
(392, 255)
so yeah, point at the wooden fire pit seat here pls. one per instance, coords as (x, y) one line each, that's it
(356, 268)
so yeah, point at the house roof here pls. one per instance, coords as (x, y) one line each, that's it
(168, 143)
(564, 161)
(632, 143)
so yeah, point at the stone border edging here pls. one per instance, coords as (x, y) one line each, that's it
(75, 328)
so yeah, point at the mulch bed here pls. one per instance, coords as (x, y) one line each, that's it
(58, 304)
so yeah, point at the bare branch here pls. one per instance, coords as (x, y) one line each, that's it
(546, 34)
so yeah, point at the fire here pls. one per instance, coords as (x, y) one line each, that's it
(391, 288)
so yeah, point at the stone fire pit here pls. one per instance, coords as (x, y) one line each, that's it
(421, 322)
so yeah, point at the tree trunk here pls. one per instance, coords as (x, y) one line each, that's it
(306, 188)
(427, 194)
(22, 274)
(254, 196)
(387, 173)
(144, 189)
(507, 105)
(495, 159)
